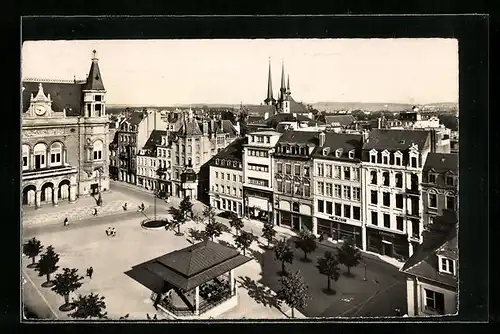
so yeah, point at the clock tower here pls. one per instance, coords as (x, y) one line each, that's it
(41, 104)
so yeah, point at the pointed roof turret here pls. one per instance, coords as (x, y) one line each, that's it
(269, 98)
(288, 85)
(94, 79)
(282, 75)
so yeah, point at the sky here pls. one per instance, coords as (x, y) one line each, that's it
(167, 72)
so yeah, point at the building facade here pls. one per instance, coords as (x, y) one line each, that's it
(65, 139)
(338, 206)
(293, 164)
(258, 174)
(392, 162)
(226, 178)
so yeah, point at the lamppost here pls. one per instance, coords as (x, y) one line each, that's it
(99, 198)
(364, 279)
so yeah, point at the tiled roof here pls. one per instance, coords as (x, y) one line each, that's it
(233, 151)
(260, 110)
(63, 95)
(392, 140)
(342, 120)
(299, 137)
(345, 141)
(441, 162)
(135, 117)
(296, 107)
(255, 119)
(190, 128)
(286, 117)
(424, 262)
(154, 139)
(94, 80)
(195, 265)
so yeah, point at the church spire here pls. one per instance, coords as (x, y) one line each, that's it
(288, 85)
(94, 79)
(269, 99)
(282, 88)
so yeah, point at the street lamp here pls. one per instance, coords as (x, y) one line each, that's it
(364, 279)
(99, 198)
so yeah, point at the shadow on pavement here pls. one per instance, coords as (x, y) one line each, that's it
(261, 294)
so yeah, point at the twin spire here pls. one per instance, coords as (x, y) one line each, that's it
(283, 92)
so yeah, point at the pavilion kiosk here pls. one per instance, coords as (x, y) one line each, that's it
(196, 282)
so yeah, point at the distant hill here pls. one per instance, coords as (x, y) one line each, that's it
(391, 107)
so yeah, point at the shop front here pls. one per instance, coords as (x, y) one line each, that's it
(387, 243)
(338, 229)
(293, 215)
(258, 205)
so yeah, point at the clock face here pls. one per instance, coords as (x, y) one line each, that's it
(40, 110)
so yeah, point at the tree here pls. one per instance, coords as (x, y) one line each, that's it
(209, 213)
(48, 265)
(228, 115)
(269, 233)
(89, 306)
(244, 240)
(236, 222)
(64, 284)
(32, 249)
(306, 242)
(178, 219)
(283, 253)
(214, 229)
(349, 255)
(197, 235)
(186, 207)
(328, 265)
(293, 291)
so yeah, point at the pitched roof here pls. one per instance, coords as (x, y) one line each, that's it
(135, 117)
(94, 79)
(154, 139)
(424, 262)
(441, 162)
(299, 137)
(190, 128)
(233, 151)
(260, 110)
(286, 117)
(63, 95)
(194, 265)
(296, 107)
(342, 120)
(344, 141)
(392, 140)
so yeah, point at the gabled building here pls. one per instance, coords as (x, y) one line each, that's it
(258, 174)
(226, 178)
(392, 163)
(65, 138)
(293, 164)
(154, 164)
(338, 207)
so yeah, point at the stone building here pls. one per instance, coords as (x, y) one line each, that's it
(65, 139)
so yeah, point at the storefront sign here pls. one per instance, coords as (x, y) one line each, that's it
(338, 219)
(386, 234)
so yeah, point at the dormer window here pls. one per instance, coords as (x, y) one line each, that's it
(326, 151)
(450, 180)
(398, 158)
(385, 157)
(351, 154)
(216, 161)
(446, 265)
(431, 178)
(338, 153)
(373, 156)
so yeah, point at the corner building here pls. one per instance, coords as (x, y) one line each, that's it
(392, 162)
(65, 139)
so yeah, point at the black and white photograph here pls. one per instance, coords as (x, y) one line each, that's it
(228, 179)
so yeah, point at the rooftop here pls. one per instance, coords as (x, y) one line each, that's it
(64, 95)
(299, 137)
(441, 162)
(344, 141)
(342, 120)
(392, 140)
(233, 151)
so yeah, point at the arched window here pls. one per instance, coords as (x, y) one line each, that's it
(40, 151)
(385, 177)
(56, 154)
(373, 175)
(399, 180)
(26, 157)
(97, 152)
(432, 200)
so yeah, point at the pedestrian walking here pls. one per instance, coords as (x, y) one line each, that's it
(66, 221)
(113, 232)
(155, 318)
(108, 231)
(90, 272)
(94, 212)
(147, 315)
(398, 311)
(125, 206)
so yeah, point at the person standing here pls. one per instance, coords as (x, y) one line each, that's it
(66, 221)
(94, 212)
(90, 272)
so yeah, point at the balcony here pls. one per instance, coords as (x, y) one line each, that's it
(48, 172)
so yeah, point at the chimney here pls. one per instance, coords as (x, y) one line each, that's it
(322, 137)
(212, 126)
(205, 127)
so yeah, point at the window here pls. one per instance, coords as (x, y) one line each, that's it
(320, 170)
(337, 191)
(399, 180)
(329, 190)
(280, 186)
(373, 175)
(399, 223)
(55, 154)
(288, 169)
(385, 160)
(385, 178)
(387, 220)
(347, 211)
(414, 162)
(450, 202)
(228, 190)
(258, 182)
(216, 175)
(434, 301)
(241, 193)
(347, 192)
(374, 197)
(373, 158)
(222, 176)
(351, 154)
(321, 206)
(234, 177)
(374, 218)
(338, 209)
(222, 189)
(26, 153)
(447, 266)
(321, 188)
(432, 199)
(279, 167)
(399, 201)
(356, 213)
(386, 199)
(347, 173)
(241, 178)
(217, 188)
(415, 228)
(306, 170)
(228, 177)
(337, 172)
(288, 188)
(98, 150)
(307, 190)
(432, 178)
(258, 168)
(450, 180)
(328, 170)
(355, 174)
(398, 160)
(297, 170)
(40, 150)
(356, 193)
(329, 208)
(234, 191)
